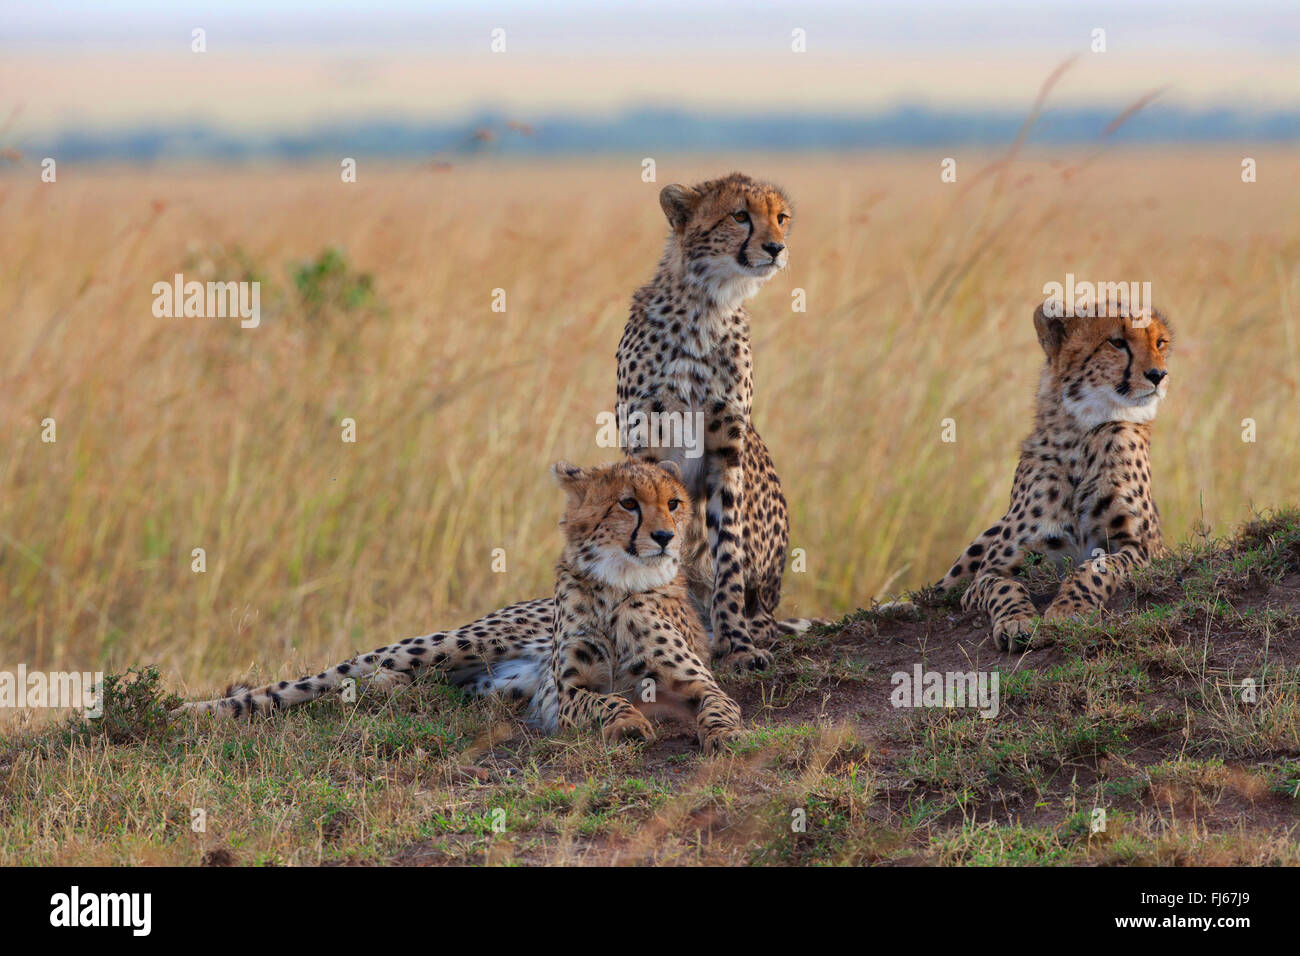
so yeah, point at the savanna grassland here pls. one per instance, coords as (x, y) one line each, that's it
(183, 433)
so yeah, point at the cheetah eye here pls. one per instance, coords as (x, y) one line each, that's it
(1162, 343)
(674, 504)
(1119, 343)
(782, 219)
(741, 216)
(628, 503)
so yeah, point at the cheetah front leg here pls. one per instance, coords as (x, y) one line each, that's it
(1038, 519)
(1097, 578)
(968, 564)
(725, 523)
(1093, 582)
(582, 665)
(992, 560)
(582, 669)
(659, 652)
(1007, 603)
(1118, 523)
(717, 716)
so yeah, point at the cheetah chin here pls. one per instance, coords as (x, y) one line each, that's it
(1102, 405)
(632, 574)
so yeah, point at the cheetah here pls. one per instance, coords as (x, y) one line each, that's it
(620, 616)
(1082, 490)
(685, 355)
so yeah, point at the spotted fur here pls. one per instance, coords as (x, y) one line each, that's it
(685, 351)
(1082, 490)
(624, 632)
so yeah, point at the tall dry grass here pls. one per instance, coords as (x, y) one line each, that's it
(181, 433)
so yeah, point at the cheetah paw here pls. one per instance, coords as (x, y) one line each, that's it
(1013, 633)
(746, 658)
(716, 742)
(1056, 612)
(628, 726)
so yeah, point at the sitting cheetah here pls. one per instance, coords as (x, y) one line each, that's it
(1082, 490)
(622, 622)
(685, 354)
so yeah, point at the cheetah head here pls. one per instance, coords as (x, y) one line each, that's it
(620, 523)
(728, 234)
(1106, 368)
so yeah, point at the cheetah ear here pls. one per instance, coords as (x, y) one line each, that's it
(1050, 327)
(572, 479)
(671, 467)
(678, 202)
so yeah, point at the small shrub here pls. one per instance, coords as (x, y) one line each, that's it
(330, 283)
(135, 708)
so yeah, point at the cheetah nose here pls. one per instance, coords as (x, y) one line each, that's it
(1156, 375)
(773, 249)
(662, 537)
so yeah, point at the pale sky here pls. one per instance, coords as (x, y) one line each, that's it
(272, 64)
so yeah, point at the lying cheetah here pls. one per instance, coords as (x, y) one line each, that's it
(685, 352)
(622, 622)
(1082, 490)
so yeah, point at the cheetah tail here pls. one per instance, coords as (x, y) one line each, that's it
(506, 651)
(397, 659)
(797, 625)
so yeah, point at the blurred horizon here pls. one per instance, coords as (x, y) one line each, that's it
(118, 80)
(648, 130)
